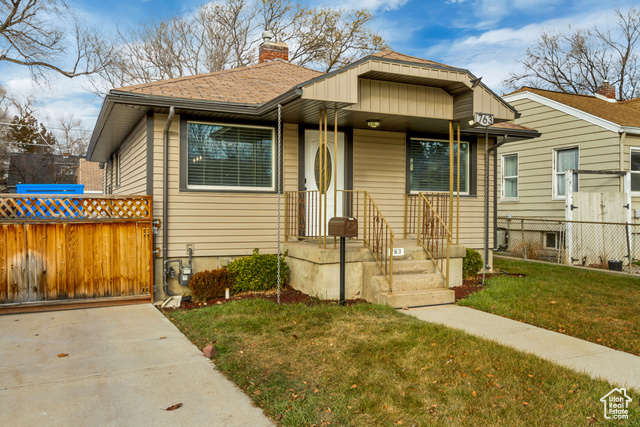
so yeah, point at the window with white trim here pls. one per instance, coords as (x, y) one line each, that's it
(510, 177)
(230, 157)
(429, 166)
(563, 159)
(634, 167)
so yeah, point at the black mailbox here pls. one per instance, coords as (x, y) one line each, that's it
(341, 226)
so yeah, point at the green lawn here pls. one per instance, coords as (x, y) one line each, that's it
(599, 307)
(368, 365)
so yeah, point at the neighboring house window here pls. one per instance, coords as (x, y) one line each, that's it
(563, 159)
(510, 177)
(230, 157)
(429, 166)
(634, 167)
(554, 240)
(116, 168)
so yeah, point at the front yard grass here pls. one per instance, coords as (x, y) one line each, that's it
(366, 365)
(594, 306)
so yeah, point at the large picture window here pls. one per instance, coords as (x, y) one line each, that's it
(510, 177)
(230, 157)
(429, 166)
(567, 158)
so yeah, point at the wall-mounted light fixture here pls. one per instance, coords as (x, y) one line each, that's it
(373, 123)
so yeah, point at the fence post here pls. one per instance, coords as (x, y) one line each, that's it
(568, 215)
(524, 247)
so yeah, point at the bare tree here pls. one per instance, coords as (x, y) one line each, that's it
(72, 139)
(225, 34)
(579, 61)
(33, 33)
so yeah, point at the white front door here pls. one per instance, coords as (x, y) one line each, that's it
(313, 167)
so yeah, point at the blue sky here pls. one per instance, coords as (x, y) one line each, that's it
(484, 36)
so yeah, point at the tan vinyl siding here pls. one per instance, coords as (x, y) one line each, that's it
(379, 167)
(472, 207)
(133, 162)
(598, 150)
(219, 223)
(486, 102)
(631, 141)
(403, 99)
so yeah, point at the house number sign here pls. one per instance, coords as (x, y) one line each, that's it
(483, 119)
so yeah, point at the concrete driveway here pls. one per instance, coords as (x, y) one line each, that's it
(125, 366)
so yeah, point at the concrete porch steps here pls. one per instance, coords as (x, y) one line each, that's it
(416, 282)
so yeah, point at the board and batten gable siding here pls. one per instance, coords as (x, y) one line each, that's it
(133, 162)
(379, 167)
(598, 148)
(218, 223)
(403, 99)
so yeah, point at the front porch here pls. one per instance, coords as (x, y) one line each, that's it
(416, 279)
(413, 267)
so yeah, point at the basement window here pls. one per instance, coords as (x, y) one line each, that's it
(230, 157)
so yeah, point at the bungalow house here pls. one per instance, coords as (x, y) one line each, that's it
(579, 132)
(377, 140)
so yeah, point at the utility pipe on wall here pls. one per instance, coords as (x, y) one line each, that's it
(165, 198)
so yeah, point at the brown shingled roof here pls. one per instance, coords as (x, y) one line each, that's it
(255, 84)
(510, 125)
(390, 54)
(623, 113)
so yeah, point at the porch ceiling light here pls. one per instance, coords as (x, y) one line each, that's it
(373, 123)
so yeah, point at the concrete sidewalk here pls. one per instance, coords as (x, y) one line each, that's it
(125, 366)
(617, 367)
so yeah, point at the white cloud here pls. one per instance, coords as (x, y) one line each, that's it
(56, 97)
(494, 53)
(371, 5)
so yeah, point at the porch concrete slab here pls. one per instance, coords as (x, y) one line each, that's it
(617, 367)
(125, 366)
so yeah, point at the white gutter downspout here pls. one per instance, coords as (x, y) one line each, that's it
(165, 198)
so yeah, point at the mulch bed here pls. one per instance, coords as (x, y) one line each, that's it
(287, 296)
(474, 284)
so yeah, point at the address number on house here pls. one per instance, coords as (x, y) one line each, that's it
(397, 251)
(483, 119)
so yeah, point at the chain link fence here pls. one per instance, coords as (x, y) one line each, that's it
(610, 246)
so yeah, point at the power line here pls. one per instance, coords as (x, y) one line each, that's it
(48, 128)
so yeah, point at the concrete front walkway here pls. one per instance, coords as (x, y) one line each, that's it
(125, 366)
(617, 367)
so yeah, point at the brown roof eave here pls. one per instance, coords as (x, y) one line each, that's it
(153, 101)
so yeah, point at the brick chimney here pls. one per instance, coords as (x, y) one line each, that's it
(607, 90)
(270, 51)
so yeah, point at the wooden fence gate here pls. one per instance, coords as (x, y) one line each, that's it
(62, 250)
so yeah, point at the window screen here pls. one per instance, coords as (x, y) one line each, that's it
(635, 170)
(229, 156)
(510, 176)
(565, 159)
(429, 166)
